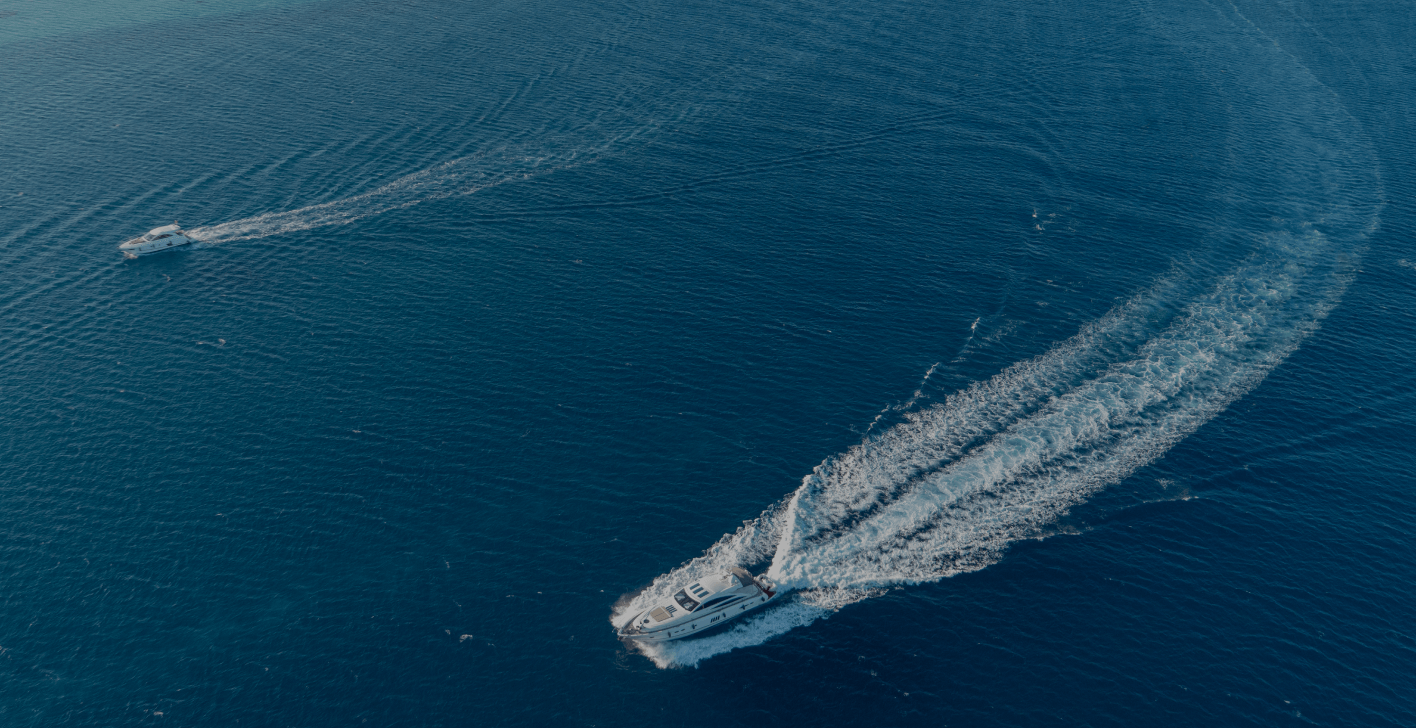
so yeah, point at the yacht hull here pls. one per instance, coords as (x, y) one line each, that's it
(699, 624)
(160, 239)
(156, 246)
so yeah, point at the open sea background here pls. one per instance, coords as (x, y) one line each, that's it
(1056, 355)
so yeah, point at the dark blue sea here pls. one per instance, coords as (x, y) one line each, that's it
(1055, 358)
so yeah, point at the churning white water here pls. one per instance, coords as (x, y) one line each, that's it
(949, 488)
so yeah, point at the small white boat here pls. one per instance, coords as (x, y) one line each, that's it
(699, 606)
(157, 239)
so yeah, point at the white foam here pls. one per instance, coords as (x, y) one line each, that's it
(752, 630)
(960, 515)
(949, 488)
(751, 543)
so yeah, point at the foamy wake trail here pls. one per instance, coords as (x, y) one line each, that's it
(462, 176)
(947, 490)
(952, 486)
(589, 136)
(838, 532)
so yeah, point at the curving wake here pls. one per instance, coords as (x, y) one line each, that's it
(952, 486)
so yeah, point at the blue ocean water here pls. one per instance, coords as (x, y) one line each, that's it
(1054, 356)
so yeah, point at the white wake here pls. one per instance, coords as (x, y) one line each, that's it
(591, 132)
(464, 176)
(952, 486)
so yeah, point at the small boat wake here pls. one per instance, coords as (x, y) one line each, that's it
(949, 488)
(594, 133)
(459, 177)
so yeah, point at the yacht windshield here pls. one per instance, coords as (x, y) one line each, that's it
(686, 601)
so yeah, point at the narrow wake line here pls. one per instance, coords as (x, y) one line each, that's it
(914, 398)
(476, 173)
(950, 488)
(459, 177)
(579, 143)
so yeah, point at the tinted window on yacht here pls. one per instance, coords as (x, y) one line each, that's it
(719, 601)
(686, 601)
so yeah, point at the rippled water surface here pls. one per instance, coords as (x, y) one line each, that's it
(1055, 358)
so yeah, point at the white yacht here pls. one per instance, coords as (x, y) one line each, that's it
(163, 238)
(699, 606)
